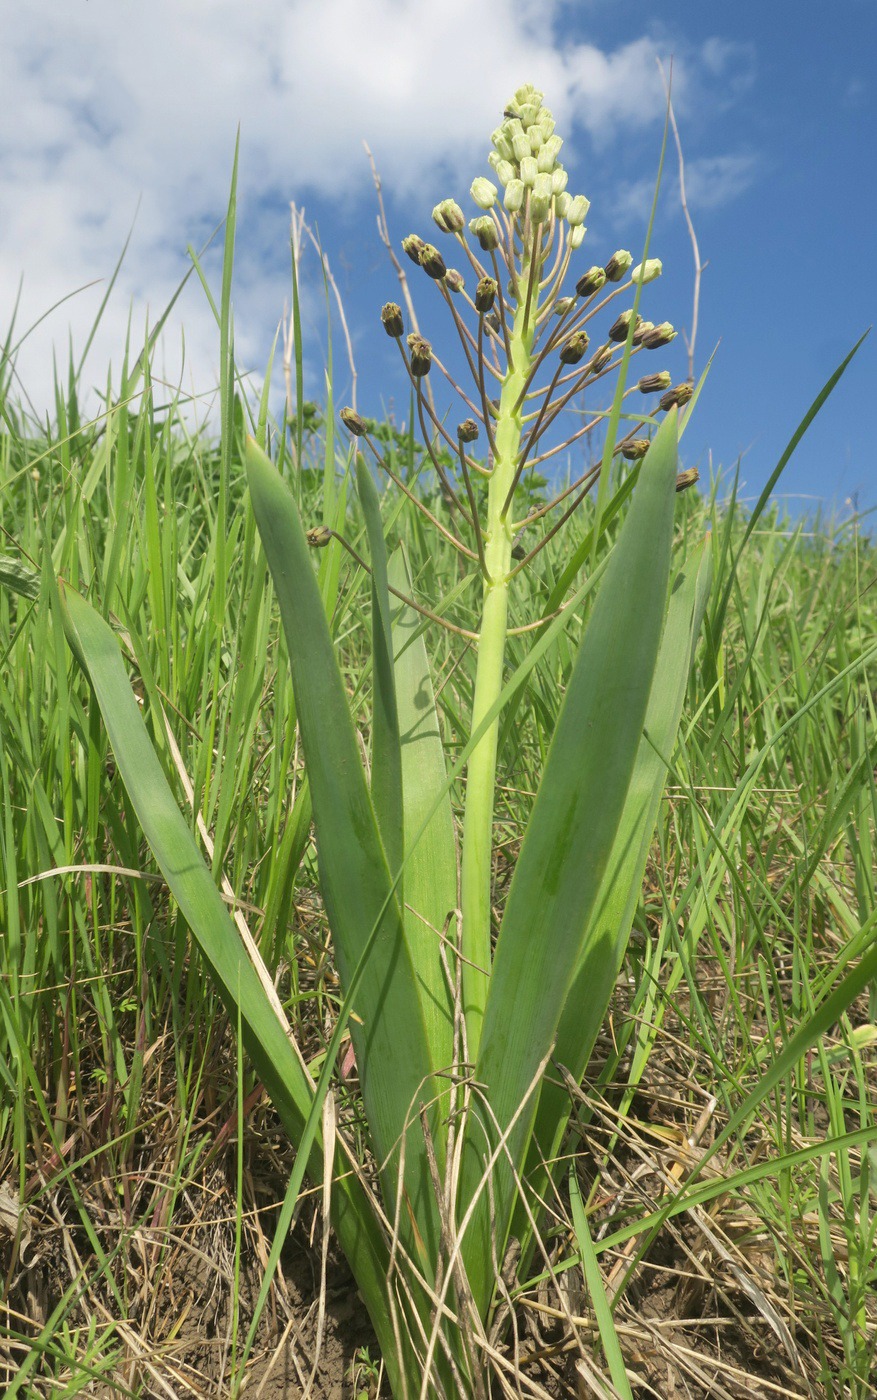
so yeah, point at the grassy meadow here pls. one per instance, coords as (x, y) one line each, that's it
(713, 1229)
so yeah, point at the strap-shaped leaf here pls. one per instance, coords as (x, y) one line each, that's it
(609, 928)
(272, 1051)
(386, 775)
(387, 1022)
(431, 859)
(570, 835)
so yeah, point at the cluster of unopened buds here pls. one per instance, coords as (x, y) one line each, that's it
(521, 322)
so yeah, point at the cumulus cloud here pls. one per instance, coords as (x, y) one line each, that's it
(113, 110)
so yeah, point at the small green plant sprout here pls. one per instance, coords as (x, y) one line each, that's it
(460, 1030)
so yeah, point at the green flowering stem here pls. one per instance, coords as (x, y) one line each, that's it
(481, 773)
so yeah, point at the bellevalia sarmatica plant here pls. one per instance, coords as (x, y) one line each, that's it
(454, 1035)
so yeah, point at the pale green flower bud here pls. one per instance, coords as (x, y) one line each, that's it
(540, 199)
(559, 178)
(529, 170)
(529, 93)
(484, 229)
(577, 236)
(577, 211)
(546, 122)
(513, 198)
(551, 150)
(521, 146)
(561, 204)
(449, 216)
(528, 112)
(617, 265)
(483, 192)
(505, 171)
(647, 271)
(562, 305)
(513, 128)
(319, 536)
(535, 134)
(503, 144)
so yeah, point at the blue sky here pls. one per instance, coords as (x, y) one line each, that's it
(113, 113)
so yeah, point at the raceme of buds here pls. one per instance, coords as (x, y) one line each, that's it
(676, 397)
(449, 216)
(654, 383)
(352, 422)
(687, 478)
(484, 229)
(647, 271)
(484, 192)
(634, 449)
(421, 355)
(485, 294)
(619, 328)
(574, 348)
(432, 262)
(391, 318)
(467, 430)
(660, 335)
(454, 281)
(593, 280)
(319, 536)
(413, 246)
(618, 265)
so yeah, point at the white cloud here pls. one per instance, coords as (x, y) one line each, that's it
(110, 108)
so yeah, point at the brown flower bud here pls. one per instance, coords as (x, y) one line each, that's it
(619, 328)
(618, 265)
(686, 479)
(654, 383)
(574, 348)
(432, 262)
(591, 282)
(467, 430)
(485, 294)
(642, 330)
(391, 318)
(676, 397)
(454, 280)
(319, 537)
(634, 448)
(352, 422)
(413, 246)
(601, 359)
(660, 335)
(421, 355)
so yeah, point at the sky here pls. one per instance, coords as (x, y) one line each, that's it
(119, 119)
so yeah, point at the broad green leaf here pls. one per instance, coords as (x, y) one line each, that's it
(273, 1052)
(430, 848)
(569, 839)
(609, 928)
(387, 1020)
(386, 775)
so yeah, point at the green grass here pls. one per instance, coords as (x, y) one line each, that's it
(136, 1148)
